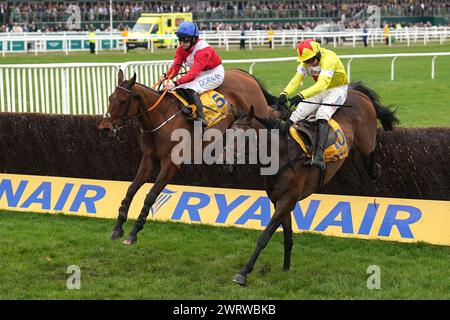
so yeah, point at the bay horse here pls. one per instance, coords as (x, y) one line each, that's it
(295, 182)
(158, 117)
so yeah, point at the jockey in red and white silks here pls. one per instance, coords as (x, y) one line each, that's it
(206, 71)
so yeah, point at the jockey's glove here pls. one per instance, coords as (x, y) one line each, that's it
(282, 99)
(296, 100)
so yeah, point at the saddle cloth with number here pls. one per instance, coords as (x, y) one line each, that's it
(304, 134)
(215, 105)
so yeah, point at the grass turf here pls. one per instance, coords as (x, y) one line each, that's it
(178, 261)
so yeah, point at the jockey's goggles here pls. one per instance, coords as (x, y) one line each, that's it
(185, 39)
(310, 60)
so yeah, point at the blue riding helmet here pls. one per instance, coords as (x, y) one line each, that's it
(188, 29)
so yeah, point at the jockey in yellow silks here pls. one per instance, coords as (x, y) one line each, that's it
(331, 86)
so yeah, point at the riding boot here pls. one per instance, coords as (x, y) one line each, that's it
(285, 125)
(196, 99)
(317, 159)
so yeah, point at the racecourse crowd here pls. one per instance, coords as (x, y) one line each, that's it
(217, 26)
(51, 15)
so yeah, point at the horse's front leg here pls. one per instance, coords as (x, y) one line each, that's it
(288, 242)
(284, 207)
(145, 171)
(168, 170)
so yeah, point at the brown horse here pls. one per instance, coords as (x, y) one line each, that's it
(295, 182)
(131, 99)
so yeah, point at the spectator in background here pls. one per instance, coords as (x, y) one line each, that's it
(125, 35)
(2, 13)
(40, 12)
(17, 28)
(270, 37)
(386, 33)
(242, 42)
(365, 35)
(91, 37)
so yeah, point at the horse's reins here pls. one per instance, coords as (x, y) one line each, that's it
(169, 76)
(152, 107)
(124, 118)
(159, 83)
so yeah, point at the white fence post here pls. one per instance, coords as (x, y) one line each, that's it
(392, 68)
(348, 68)
(250, 70)
(432, 67)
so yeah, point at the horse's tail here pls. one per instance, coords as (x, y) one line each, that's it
(386, 116)
(271, 100)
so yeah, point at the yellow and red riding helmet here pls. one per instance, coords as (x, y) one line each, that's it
(307, 49)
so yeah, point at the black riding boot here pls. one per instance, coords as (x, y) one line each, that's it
(317, 158)
(285, 125)
(198, 103)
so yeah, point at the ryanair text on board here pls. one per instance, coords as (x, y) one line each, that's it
(403, 220)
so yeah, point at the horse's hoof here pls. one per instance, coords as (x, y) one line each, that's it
(116, 234)
(240, 279)
(130, 240)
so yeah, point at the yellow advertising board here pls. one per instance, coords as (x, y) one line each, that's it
(403, 220)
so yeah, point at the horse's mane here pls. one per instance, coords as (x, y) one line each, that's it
(146, 87)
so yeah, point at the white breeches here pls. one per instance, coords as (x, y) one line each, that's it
(206, 80)
(314, 112)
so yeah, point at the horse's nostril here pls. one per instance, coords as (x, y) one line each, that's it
(105, 132)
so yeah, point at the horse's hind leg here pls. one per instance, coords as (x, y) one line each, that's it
(365, 141)
(146, 169)
(284, 207)
(288, 243)
(371, 166)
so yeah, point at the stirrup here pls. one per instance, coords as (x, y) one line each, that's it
(317, 164)
(203, 121)
(320, 165)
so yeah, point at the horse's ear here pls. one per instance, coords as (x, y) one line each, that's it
(251, 113)
(133, 80)
(120, 76)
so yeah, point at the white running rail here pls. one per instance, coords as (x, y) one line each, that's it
(84, 88)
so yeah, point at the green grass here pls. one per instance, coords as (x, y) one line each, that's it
(421, 102)
(179, 261)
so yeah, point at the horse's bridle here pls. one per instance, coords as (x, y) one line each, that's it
(124, 118)
(237, 122)
(237, 153)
